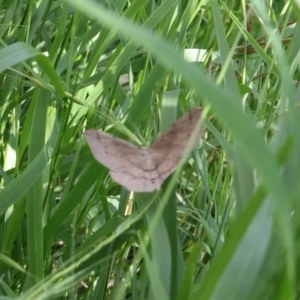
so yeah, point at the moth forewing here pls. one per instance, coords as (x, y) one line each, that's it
(194, 138)
(195, 133)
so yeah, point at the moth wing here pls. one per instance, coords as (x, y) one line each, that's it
(129, 165)
(137, 184)
(170, 147)
(110, 151)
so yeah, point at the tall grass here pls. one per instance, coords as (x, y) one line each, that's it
(225, 226)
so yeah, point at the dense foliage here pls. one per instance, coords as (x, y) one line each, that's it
(223, 226)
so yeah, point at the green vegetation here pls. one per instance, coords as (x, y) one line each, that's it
(225, 225)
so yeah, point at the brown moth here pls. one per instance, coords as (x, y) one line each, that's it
(145, 169)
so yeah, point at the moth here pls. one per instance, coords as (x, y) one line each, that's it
(145, 169)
